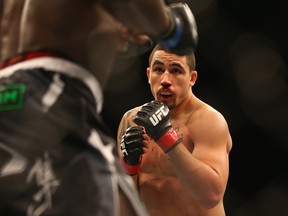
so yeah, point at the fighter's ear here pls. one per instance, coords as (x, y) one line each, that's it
(193, 77)
(148, 74)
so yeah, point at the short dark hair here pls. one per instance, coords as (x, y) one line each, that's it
(191, 61)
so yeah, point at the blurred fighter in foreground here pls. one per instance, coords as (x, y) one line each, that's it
(57, 157)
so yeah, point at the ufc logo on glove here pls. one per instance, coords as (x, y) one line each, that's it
(123, 148)
(157, 116)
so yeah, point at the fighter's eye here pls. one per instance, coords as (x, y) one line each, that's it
(158, 69)
(175, 71)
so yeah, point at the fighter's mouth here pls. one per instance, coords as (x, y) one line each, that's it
(165, 94)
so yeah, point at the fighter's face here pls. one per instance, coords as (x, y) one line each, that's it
(169, 77)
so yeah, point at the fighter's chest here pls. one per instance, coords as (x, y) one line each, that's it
(156, 161)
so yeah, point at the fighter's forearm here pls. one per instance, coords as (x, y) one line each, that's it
(141, 16)
(202, 182)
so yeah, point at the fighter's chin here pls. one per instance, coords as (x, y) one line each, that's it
(166, 101)
(163, 100)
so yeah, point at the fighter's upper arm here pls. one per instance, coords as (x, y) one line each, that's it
(212, 142)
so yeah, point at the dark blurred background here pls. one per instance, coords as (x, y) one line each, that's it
(242, 62)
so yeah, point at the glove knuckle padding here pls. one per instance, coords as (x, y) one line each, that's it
(154, 116)
(132, 144)
(184, 39)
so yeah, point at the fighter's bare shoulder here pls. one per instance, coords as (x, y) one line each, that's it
(209, 119)
(131, 114)
(127, 121)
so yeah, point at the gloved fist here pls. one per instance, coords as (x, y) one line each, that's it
(154, 116)
(132, 145)
(182, 38)
(132, 148)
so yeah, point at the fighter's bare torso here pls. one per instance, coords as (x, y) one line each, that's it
(157, 181)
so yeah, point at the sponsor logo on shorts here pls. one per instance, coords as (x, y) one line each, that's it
(12, 96)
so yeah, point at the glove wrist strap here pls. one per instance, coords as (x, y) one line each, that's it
(169, 140)
(131, 170)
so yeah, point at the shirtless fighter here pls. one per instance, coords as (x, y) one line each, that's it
(177, 146)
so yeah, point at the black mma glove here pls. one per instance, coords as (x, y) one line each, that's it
(182, 38)
(132, 149)
(154, 116)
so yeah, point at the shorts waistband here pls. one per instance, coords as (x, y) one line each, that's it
(29, 55)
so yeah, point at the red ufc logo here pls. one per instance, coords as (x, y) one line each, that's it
(157, 116)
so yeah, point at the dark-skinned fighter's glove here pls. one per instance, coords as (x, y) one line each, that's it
(154, 116)
(182, 38)
(132, 149)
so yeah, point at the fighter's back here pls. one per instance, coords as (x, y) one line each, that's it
(66, 26)
(10, 15)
